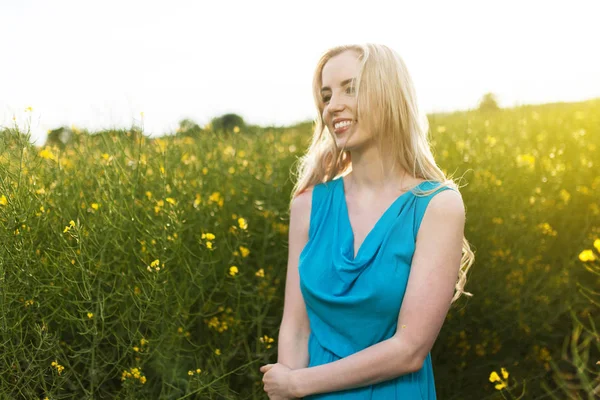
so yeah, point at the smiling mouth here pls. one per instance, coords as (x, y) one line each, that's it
(342, 126)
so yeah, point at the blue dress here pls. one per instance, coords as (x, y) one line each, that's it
(353, 303)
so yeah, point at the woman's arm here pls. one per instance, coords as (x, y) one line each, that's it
(430, 288)
(383, 361)
(292, 350)
(295, 329)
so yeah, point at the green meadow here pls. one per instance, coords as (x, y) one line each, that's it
(134, 267)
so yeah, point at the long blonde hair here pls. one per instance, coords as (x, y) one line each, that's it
(387, 106)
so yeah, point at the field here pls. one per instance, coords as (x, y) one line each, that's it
(134, 267)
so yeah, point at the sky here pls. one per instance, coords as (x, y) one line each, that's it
(99, 65)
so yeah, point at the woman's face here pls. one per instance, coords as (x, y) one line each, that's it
(339, 99)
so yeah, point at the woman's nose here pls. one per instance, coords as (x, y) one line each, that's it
(335, 104)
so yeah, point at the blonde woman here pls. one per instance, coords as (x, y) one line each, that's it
(377, 252)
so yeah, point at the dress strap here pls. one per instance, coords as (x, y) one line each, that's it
(423, 201)
(319, 206)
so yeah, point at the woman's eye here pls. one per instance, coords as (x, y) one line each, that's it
(350, 90)
(326, 99)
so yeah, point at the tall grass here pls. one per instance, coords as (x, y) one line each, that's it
(138, 267)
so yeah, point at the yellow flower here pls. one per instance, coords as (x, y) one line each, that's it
(90, 315)
(526, 160)
(491, 141)
(494, 377)
(208, 236)
(243, 223)
(218, 352)
(587, 255)
(198, 370)
(197, 200)
(136, 349)
(47, 154)
(190, 373)
(265, 339)
(244, 251)
(597, 244)
(29, 109)
(260, 273)
(546, 229)
(565, 196)
(215, 197)
(171, 200)
(236, 129)
(95, 206)
(233, 270)
(59, 368)
(3, 200)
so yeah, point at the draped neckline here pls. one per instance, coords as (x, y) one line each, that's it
(379, 221)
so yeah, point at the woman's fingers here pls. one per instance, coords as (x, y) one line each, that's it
(265, 368)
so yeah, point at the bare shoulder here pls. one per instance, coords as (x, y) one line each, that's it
(301, 204)
(447, 204)
(300, 210)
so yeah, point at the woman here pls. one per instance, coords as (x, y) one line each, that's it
(377, 252)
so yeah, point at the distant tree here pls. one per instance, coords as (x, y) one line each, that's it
(227, 123)
(488, 102)
(59, 137)
(187, 127)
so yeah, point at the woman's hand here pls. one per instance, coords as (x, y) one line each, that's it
(278, 382)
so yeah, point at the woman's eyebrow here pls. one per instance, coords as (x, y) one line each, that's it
(344, 83)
